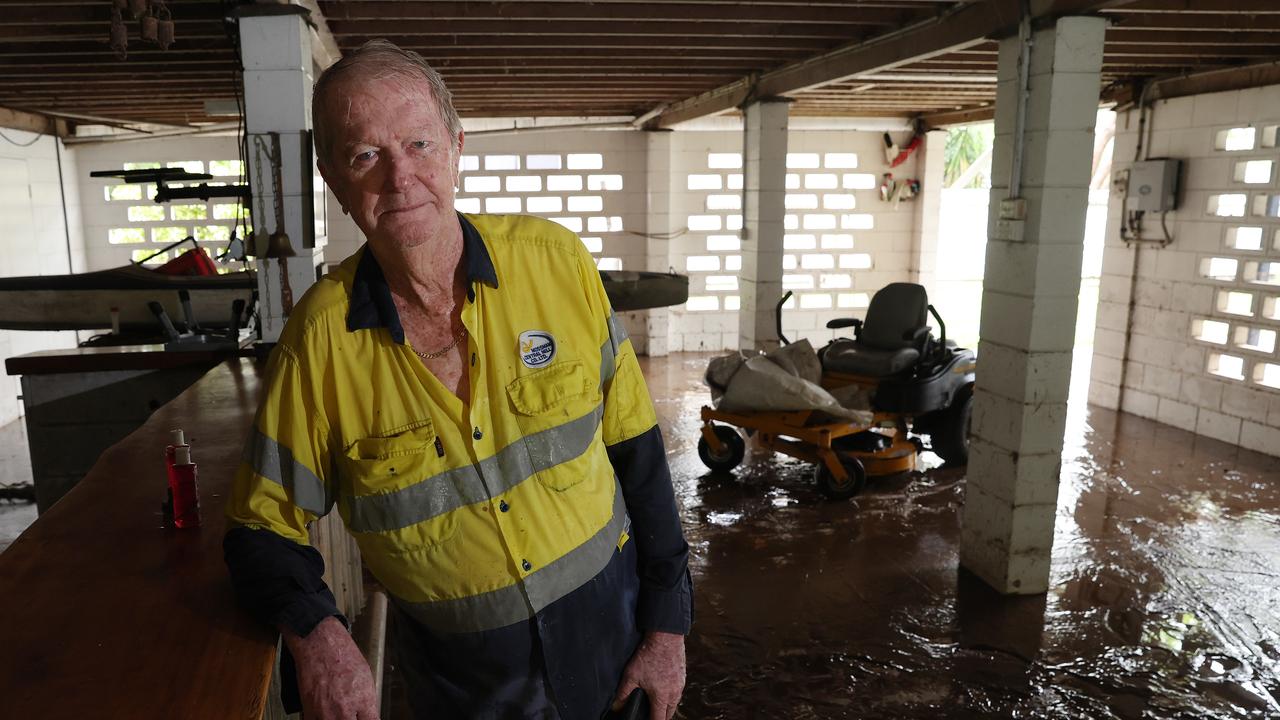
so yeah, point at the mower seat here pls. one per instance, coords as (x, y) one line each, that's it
(890, 340)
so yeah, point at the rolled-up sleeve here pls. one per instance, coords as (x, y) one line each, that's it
(281, 487)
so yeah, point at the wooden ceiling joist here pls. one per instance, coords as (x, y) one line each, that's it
(964, 26)
(849, 13)
(589, 28)
(626, 57)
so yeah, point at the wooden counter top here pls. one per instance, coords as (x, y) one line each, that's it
(106, 614)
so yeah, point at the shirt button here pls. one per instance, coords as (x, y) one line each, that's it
(503, 506)
(477, 434)
(526, 565)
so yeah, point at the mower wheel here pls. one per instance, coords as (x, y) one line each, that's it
(833, 488)
(951, 435)
(729, 457)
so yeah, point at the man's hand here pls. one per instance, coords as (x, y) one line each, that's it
(333, 678)
(658, 667)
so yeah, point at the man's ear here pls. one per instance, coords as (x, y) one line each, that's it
(457, 159)
(323, 167)
(326, 173)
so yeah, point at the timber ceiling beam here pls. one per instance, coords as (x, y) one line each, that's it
(1199, 22)
(966, 116)
(32, 122)
(1210, 81)
(324, 47)
(962, 27)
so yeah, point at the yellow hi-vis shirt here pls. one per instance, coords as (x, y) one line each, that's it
(473, 516)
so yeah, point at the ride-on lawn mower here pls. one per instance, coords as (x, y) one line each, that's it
(918, 384)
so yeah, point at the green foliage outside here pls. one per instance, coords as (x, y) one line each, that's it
(966, 145)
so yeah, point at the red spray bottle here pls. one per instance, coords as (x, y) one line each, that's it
(186, 495)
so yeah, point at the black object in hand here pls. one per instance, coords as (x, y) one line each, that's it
(636, 708)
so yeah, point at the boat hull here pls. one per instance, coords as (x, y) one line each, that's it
(630, 290)
(84, 301)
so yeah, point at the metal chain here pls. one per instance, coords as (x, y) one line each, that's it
(260, 211)
(277, 181)
(433, 355)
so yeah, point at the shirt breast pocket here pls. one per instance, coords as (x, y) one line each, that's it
(558, 409)
(388, 479)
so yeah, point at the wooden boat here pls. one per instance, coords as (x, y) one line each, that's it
(83, 301)
(632, 290)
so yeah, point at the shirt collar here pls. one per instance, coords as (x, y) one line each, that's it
(371, 305)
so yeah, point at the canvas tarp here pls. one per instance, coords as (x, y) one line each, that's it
(785, 379)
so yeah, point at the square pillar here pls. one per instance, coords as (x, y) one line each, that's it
(275, 48)
(661, 225)
(764, 189)
(1029, 300)
(928, 211)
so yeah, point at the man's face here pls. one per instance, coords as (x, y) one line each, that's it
(392, 162)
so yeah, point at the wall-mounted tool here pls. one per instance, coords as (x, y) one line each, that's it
(164, 193)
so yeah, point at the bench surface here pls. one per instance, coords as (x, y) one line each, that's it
(106, 613)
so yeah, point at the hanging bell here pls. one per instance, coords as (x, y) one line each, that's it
(166, 34)
(119, 35)
(165, 23)
(257, 244)
(137, 8)
(278, 245)
(149, 28)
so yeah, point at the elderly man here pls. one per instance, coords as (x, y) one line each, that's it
(462, 391)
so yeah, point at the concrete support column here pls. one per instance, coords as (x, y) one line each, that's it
(764, 189)
(1029, 302)
(661, 222)
(924, 246)
(275, 47)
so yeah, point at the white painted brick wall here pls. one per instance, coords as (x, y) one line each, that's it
(34, 237)
(1218, 426)
(1168, 369)
(100, 215)
(888, 241)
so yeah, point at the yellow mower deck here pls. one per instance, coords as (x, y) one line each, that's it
(809, 435)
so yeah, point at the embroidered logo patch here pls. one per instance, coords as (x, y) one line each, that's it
(537, 348)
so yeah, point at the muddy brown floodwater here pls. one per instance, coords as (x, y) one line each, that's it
(1165, 598)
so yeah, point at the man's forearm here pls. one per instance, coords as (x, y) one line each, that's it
(665, 592)
(334, 680)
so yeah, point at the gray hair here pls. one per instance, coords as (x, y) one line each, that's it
(379, 59)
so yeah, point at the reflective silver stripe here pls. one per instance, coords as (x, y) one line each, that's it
(617, 330)
(519, 601)
(452, 489)
(609, 351)
(570, 571)
(608, 363)
(275, 462)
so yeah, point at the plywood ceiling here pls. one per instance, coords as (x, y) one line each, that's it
(602, 57)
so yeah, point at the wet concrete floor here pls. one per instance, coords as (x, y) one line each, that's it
(1165, 599)
(15, 472)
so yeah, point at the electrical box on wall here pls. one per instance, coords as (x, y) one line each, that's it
(1153, 185)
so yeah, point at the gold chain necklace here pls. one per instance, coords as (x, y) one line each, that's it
(433, 355)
